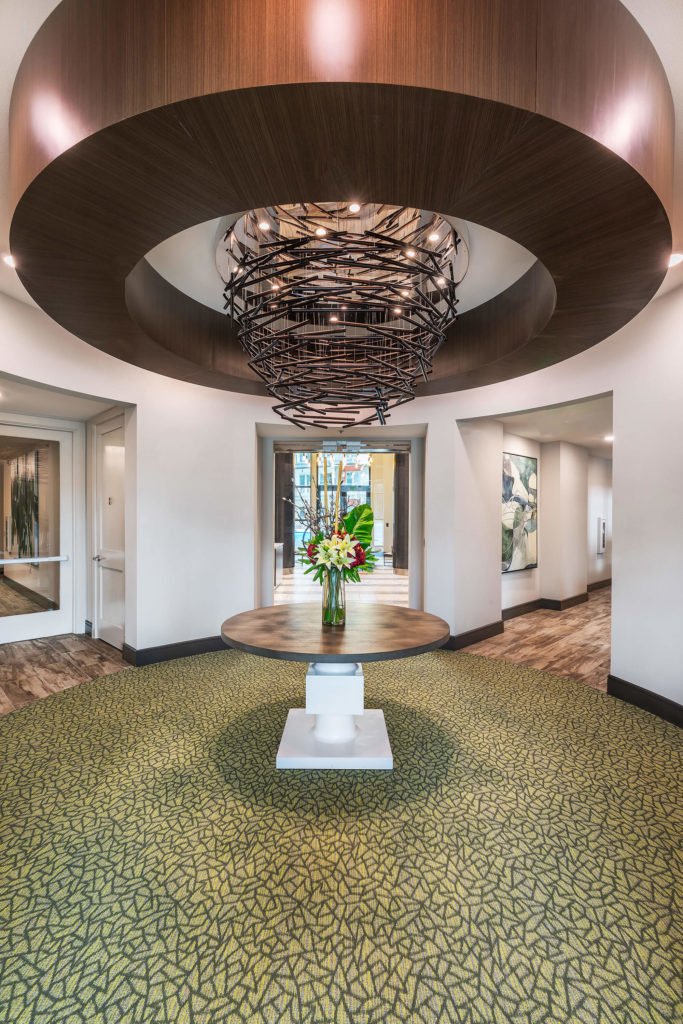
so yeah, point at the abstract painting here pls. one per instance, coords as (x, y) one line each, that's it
(520, 512)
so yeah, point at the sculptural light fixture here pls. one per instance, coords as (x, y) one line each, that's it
(335, 349)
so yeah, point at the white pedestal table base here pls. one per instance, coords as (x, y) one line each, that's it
(335, 730)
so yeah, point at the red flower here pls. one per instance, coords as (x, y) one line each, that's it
(311, 551)
(360, 556)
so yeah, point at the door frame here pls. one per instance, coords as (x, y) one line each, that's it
(100, 424)
(73, 543)
(264, 567)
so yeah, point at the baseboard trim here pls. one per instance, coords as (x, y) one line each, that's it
(599, 585)
(566, 602)
(473, 636)
(546, 602)
(664, 708)
(167, 652)
(521, 609)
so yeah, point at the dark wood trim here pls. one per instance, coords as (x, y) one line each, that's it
(166, 652)
(548, 603)
(401, 547)
(473, 636)
(284, 507)
(170, 102)
(599, 585)
(128, 654)
(566, 602)
(663, 707)
(521, 609)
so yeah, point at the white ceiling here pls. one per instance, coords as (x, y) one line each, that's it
(187, 260)
(585, 423)
(20, 20)
(33, 400)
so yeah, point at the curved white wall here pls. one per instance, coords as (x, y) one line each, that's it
(196, 484)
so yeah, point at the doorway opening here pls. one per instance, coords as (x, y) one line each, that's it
(377, 475)
(556, 544)
(109, 550)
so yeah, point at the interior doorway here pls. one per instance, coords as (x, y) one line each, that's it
(109, 548)
(555, 593)
(375, 475)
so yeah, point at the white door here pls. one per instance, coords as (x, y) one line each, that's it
(109, 547)
(37, 533)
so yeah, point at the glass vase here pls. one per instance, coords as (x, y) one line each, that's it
(334, 598)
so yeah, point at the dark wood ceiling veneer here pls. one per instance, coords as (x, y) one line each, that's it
(549, 122)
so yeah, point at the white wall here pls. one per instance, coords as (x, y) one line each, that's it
(642, 365)
(197, 479)
(599, 505)
(478, 452)
(191, 456)
(525, 584)
(564, 497)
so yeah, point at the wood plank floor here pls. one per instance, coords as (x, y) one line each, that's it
(574, 643)
(14, 602)
(33, 669)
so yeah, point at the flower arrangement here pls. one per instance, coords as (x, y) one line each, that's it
(340, 549)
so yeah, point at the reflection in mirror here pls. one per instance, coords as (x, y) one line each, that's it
(29, 499)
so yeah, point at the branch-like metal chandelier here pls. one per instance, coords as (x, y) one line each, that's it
(341, 307)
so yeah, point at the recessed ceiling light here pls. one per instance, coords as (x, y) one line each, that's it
(275, 287)
(334, 319)
(354, 207)
(397, 309)
(410, 253)
(320, 232)
(264, 225)
(9, 259)
(343, 307)
(405, 293)
(434, 237)
(441, 280)
(675, 258)
(609, 437)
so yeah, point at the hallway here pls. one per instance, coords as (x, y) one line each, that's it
(573, 643)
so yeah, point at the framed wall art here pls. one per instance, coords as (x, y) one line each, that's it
(520, 512)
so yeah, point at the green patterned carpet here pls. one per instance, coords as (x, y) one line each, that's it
(520, 864)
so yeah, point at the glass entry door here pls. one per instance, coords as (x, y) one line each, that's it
(36, 542)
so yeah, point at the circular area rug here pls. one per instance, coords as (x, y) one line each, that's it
(520, 863)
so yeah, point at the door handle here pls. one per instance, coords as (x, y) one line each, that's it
(97, 558)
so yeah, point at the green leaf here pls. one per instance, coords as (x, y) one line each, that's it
(359, 522)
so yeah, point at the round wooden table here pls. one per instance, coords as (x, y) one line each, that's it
(335, 729)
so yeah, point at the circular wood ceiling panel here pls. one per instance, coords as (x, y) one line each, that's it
(550, 123)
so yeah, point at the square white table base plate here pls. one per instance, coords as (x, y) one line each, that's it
(335, 730)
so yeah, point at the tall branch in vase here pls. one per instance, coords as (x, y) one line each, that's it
(340, 547)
